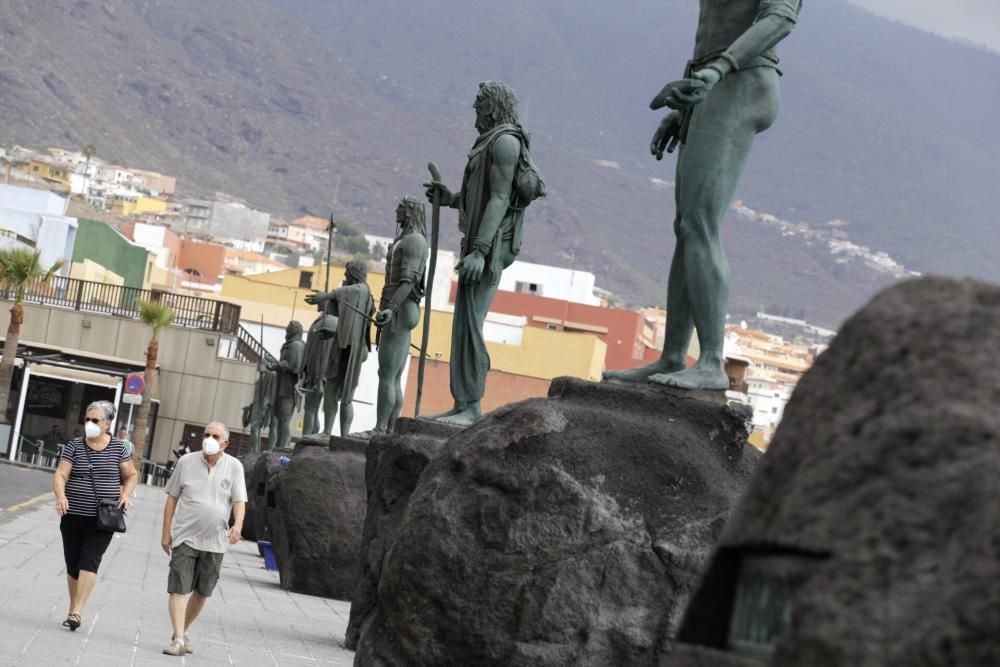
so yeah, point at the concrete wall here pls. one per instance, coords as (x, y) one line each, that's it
(195, 386)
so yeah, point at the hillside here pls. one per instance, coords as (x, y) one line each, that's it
(273, 100)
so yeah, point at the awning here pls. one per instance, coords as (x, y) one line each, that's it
(75, 375)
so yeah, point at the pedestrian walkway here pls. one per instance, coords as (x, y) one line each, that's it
(248, 621)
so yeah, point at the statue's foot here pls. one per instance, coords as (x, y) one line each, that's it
(644, 373)
(444, 415)
(363, 435)
(461, 417)
(712, 379)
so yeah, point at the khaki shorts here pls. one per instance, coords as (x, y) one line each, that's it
(193, 570)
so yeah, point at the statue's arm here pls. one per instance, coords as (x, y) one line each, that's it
(775, 21)
(505, 152)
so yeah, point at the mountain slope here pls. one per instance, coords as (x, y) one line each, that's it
(883, 127)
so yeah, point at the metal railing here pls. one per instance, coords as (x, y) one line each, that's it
(153, 474)
(250, 349)
(120, 301)
(37, 453)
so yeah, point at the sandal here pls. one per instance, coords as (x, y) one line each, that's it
(73, 621)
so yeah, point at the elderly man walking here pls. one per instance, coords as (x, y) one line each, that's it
(203, 490)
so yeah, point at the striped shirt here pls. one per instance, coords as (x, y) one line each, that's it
(107, 474)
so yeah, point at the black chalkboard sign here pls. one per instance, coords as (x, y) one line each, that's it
(47, 397)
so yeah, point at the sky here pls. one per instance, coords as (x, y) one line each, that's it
(973, 20)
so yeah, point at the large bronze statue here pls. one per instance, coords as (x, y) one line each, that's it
(315, 365)
(399, 308)
(500, 181)
(728, 95)
(287, 368)
(354, 307)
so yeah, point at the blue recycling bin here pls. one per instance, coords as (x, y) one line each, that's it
(270, 561)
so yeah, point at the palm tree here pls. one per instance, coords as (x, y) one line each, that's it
(89, 151)
(20, 268)
(157, 315)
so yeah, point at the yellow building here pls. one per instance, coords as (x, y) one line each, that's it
(543, 354)
(90, 270)
(53, 173)
(129, 207)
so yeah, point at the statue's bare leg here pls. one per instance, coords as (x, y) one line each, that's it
(719, 141)
(331, 402)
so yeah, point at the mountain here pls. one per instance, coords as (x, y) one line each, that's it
(886, 131)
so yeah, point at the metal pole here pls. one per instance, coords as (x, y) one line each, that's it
(435, 227)
(329, 243)
(128, 425)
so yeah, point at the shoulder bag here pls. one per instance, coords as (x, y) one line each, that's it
(110, 517)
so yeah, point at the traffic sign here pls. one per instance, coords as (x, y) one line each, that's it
(134, 384)
(132, 399)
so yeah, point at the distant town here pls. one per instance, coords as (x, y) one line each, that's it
(127, 227)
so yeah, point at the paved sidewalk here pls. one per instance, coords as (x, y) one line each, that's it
(248, 621)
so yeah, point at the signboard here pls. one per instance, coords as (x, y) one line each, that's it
(132, 399)
(134, 384)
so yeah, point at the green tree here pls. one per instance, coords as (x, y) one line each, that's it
(157, 315)
(89, 151)
(20, 268)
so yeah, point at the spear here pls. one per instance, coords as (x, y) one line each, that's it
(435, 226)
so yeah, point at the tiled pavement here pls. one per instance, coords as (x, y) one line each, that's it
(248, 621)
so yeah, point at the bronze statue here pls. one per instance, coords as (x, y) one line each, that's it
(500, 181)
(354, 307)
(399, 308)
(257, 415)
(287, 370)
(728, 95)
(316, 361)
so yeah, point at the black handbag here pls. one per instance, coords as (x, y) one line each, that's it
(110, 517)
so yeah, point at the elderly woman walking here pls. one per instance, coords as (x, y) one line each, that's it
(92, 468)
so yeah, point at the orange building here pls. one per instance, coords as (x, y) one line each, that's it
(621, 330)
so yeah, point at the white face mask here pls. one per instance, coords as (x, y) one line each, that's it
(210, 447)
(92, 430)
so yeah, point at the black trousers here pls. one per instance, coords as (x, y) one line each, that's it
(83, 544)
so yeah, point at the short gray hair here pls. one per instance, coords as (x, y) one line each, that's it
(106, 407)
(225, 431)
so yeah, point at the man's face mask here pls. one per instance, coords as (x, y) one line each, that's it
(210, 446)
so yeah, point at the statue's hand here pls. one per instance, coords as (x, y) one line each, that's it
(470, 268)
(384, 318)
(680, 95)
(445, 195)
(312, 298)
(667, 135)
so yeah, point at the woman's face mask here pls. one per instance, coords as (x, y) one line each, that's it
(92, 430)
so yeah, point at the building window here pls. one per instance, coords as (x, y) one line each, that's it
(552, 327)
(305, 279)
(527, 288)
(774, 410)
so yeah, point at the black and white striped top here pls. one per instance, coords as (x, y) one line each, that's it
(107, 474)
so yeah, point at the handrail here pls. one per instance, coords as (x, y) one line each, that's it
(250, 349)
(120, 301)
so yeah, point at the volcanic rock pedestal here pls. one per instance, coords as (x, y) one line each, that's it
(873, 523)
(259, 470)
(561, 531)
(393, 466)
(319, 509)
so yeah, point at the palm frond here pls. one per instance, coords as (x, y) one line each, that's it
(155, 314)
(20, 268)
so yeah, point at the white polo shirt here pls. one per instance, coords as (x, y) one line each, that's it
(206, 496)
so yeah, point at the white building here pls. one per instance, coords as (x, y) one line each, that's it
(38, 217)
(551, 282)
(768, 399)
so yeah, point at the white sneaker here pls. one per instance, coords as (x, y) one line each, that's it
(176, 648)
(187, 644)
